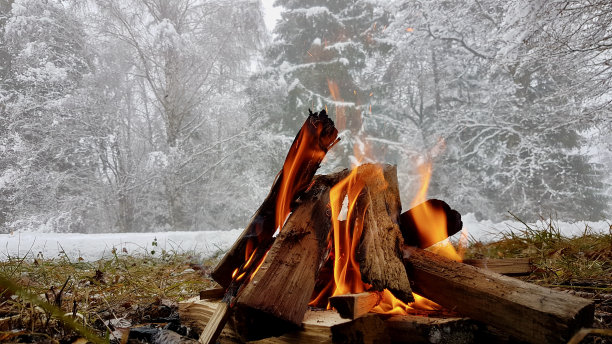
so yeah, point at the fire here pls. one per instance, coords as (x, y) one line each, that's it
(431, 222)
(347, 277)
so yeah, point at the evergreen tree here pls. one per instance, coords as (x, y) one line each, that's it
(320, 56)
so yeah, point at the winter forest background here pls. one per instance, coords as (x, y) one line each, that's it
(148, 115)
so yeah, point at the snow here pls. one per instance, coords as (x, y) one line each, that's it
(91, 247)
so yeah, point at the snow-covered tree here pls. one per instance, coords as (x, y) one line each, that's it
(507, 120)
(45, 166)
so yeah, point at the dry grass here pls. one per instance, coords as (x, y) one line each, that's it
(581, 262)
(128, 289)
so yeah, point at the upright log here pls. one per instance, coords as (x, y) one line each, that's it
(523, 310)
(284, 283)
(309, 147)
(379, 251)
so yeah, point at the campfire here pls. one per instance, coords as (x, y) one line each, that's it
(336, 251)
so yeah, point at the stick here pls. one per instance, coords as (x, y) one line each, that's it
(523, 310)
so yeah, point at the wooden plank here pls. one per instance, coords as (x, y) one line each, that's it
(284, 283)
(507, 266)
(353, 306)
(308, 149)
(213, 293)
(526, 311)
(215, 324)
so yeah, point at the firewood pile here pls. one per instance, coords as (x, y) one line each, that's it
(332, 258)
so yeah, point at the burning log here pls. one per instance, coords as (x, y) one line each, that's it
(523, 310)
(379, 251)
(440, 209)
(284, 283)
(308, 149)
(353, 306)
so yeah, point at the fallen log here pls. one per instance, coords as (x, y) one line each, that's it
(411, 231)
(525, 311)
(353, 306)
(507, 266)
(308, 149)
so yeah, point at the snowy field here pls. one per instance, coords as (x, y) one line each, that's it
(91, 247)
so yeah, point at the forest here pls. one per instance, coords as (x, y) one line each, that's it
(164, 115)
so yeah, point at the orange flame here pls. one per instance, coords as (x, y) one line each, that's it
(431, 222)
(347, 277)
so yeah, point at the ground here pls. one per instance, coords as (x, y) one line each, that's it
(50, 300)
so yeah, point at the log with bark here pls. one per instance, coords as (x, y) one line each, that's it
(526, 311)
(317, 135)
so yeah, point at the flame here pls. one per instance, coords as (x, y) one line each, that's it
(347, 276)
(431, 222)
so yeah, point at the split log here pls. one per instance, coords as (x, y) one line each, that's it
(523, 310)
(379, 251)
(284, 283)
(329, 327)
(308, 149)
(507, 266)
(353, 306)
(411, 231)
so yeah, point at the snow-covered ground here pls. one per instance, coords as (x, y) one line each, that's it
(92, 247)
